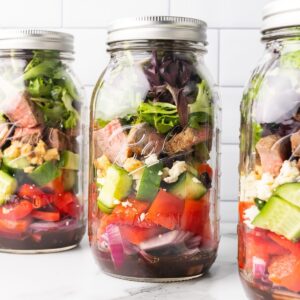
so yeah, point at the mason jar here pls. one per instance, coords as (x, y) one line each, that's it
(153, 200)
(41, 201)
(269, 222)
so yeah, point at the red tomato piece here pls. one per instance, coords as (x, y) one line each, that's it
(56, 185)
(294, 248)
(51, 216)
(205, 168)
(166, 210)
(14, 227)
(16, 211)
(136, 235)
(285, 271)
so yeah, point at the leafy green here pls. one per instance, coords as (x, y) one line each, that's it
(44, 68)
(101, 123)
(198, 118)
(203, 100)
(257, 131)
(163, 116)
(40, 87)
(71, 121)
(290, 59)
(56, 92)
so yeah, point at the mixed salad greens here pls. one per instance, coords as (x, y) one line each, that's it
(40, 163)
(269, 230)
(152, 186)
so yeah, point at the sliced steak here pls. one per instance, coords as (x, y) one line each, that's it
(23, 112)
(273, 151)
(144, 140)
(295, 143)
(28, 135)
(5, 132)
(57, 139)
(186, 139)
(111, 141)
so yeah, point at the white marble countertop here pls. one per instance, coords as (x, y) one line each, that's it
(74, 275)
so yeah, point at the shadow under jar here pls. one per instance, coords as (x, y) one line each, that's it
(41, 201)
(153, 212)
(269, 221)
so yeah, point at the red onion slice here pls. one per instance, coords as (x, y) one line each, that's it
(68, 224)
(116, 245)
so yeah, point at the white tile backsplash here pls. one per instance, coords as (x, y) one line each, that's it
(30, 13)
(240, 50)
(91, 13)
(233, 51)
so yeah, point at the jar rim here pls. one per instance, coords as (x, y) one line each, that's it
(157, 28)
(36, 39)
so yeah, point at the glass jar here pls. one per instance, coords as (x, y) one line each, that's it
(269, 207)
(153, 201)
(41, 201)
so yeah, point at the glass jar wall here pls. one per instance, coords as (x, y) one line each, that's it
(269, 220)
(153, 212)
(41, 201)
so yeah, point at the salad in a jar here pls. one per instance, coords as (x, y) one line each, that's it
(269, 221)
(40, 195)
(153, 189)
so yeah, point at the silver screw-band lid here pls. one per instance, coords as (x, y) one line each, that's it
(35, 39)
(157, 28)
(280, 14)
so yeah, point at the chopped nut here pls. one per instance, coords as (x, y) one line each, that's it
(102, 164)
(28, 169)
(132, 164)
(51, 154)
(26, 149)
(12, 151)
(40, 148)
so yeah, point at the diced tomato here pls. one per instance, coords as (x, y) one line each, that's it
(72, 209)
(62, 200)
(294, 248)
(195, 214)
(261, 246)
(56, 185)
(285, 271)
(205, 168)
(16, 211)
(136, 235)
(51, 216)
(242, 207)
(127, 213)
(241, 247)
(37, 196)
(166, 210)
(14, 227)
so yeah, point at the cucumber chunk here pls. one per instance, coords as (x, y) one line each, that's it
(19, 163)
(117, 186)
(289, 192)
(281, 217)
(188, 186)
(70, 160)
(8, 186)
(45, 173)
(150, 182)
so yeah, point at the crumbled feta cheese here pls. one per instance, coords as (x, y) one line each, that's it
(177, 169)
(248, 189)
(249, 215)
(151, 160)
(288, 173)
(159, 173)
(142, 217)
(116, 202)
(265, 186)
(196, 180)
(126, 204)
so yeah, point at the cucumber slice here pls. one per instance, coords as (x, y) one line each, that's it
(45, 173)
(188, 186)
(150, 182)
(8, 186)
(289, 192)
(117, 186)
(70, 160)
(70, 179)
(103, 208)
(280, 217)
(19, 163)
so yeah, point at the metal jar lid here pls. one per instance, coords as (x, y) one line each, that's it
(35, 39)
(280, 14)
(157, 28)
